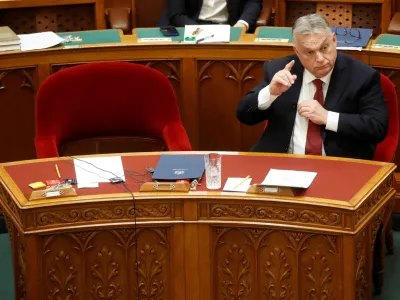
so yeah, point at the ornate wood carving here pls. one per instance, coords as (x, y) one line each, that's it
(236, 268)
(275, 213)
(104, 213)
(102, 264)
(9, 202)
(63, 273)
(362, 288)
(150, 265)
(268, 264)
(105, 269)
(278, 272)
(372, 200)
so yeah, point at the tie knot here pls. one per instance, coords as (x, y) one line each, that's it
(318, 83)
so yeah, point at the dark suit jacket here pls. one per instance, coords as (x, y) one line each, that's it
(186, 12)
(354, 91)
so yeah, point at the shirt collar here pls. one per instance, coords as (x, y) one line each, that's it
(308, 77)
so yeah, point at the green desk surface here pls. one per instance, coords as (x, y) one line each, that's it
(275, 33)
(93, 37)
(156, 33)
(388, 39)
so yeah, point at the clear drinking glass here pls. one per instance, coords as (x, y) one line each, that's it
(213, 170)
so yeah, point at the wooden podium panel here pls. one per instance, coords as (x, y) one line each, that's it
(202, 244)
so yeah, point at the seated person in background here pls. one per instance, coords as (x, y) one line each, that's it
(237, 13)
(317, 101)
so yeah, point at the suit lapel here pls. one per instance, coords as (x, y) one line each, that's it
(338, 81)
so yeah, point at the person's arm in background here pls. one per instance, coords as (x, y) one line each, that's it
(250, 14)
(176, 14)
(372, 121)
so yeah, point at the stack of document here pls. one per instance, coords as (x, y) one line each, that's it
(8, 39)
(40, 40)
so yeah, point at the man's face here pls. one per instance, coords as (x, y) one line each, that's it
(317, 52)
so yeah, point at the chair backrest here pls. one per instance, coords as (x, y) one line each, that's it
(386, 150)
(105, 99)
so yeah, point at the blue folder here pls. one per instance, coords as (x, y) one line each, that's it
(176, 167)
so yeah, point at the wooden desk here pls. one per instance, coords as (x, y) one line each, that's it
(201, 244)
(209, 81)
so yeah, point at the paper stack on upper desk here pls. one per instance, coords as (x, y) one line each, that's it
(40, 40)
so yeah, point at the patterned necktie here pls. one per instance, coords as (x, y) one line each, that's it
(314, 132)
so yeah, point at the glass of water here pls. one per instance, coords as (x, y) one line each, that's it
(213, 170)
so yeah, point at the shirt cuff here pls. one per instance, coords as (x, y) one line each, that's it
(333, 121)
(265, 99)
(244, 22)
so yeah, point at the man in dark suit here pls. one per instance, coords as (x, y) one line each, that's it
(238, 13)
(317, 101)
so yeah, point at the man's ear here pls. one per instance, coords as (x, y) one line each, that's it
(334, 37)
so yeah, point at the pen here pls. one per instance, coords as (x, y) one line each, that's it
(240, 183)
(204, 38)
(58, 172)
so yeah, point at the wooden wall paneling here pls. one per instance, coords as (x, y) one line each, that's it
(148, 13)
(190, 109)
(221, 85)
(100, 16)
(17, 106)
(252, 77)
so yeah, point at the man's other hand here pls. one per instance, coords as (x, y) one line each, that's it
(312, 110)
(282, 80)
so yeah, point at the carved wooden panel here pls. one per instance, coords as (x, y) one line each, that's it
(17, 106)
(221, 86)
(368, 16)
(336, 14)
(362, 273)
(102, 265)
(271, 264)
(294, 10)
(53, 18)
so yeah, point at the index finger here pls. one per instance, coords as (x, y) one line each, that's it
(289, 66)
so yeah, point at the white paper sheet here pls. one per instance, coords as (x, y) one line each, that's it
(298, 179)
(41, 40)
(232, 183)
(210, 33)
(88, 171)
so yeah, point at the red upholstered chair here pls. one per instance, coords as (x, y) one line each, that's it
(385, 151)
(107, 99)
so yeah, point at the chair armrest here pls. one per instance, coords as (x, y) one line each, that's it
(394, 25)
(118, 18)
(265, 16)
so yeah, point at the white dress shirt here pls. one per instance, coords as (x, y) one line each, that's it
(308, 89)
(216, 11)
